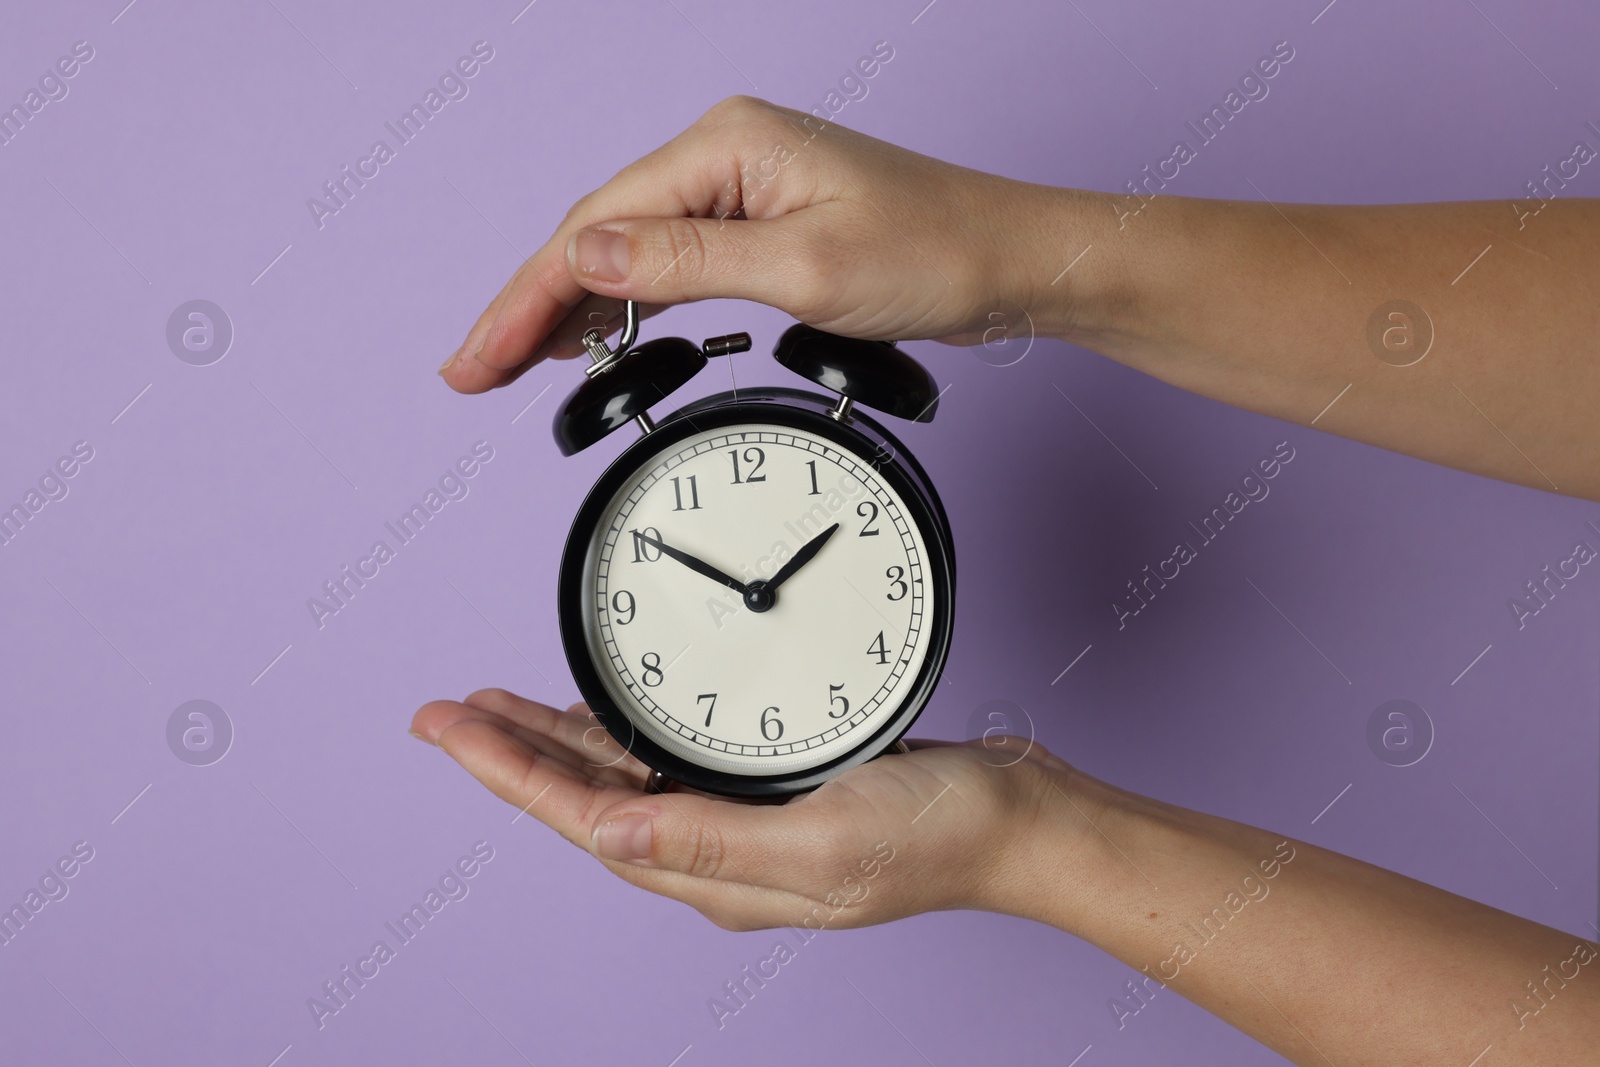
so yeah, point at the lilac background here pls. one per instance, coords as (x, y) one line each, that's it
(182, 558)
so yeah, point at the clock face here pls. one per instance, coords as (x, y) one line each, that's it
(757, 599)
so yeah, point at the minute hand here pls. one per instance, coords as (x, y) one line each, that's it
(697, 565)
(801, 558)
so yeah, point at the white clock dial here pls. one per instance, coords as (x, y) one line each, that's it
(711, 678)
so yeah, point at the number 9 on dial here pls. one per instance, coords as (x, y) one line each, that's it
(758, 593)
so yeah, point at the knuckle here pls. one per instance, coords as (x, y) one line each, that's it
(532, 777)
(581, 209)
(704, 854)
(736, 108)
(681, 251)
(492, 698)
(747, 118)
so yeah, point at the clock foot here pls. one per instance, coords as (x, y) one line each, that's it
(658, 783)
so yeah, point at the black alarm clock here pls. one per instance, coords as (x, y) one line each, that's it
(758, 593)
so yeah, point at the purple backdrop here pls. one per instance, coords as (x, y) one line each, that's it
(174, 565)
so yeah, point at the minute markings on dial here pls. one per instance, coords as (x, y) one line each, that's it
(753, 723)
(699, 566)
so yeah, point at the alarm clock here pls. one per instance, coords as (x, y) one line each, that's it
(758, 593)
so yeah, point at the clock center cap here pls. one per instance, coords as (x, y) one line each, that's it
(758, 597)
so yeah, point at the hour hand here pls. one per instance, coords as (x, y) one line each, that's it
(801, 558)
(698, 565)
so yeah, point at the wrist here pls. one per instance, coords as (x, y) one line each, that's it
(1065, 857)
(1073, 271)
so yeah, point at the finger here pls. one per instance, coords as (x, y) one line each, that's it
(698, 173)
(556, 794)
(542, 291)
(433, 719)
(796, 848)
(540, 279)
(566, 800)
(566, 340)
(575, 738)
(577, 730)
(593, 312)
(735, 905)
(676, 260)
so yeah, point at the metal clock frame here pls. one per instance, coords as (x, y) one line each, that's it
(849, 430)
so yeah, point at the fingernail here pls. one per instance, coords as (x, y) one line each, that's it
(625, 838)
(446, 364)
(600, 254)
(419, 737)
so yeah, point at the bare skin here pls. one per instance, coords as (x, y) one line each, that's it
(1322, 957)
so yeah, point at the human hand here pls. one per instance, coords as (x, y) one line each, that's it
(754, 201)
(945, 826)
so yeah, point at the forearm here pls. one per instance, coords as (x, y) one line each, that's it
(1322, 957)
(1276, 309)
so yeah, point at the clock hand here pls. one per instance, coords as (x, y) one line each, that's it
(800, 558)
(697, 565)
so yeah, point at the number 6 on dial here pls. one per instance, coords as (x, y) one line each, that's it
(774, 554)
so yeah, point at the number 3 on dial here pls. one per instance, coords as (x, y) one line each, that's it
(762, 601)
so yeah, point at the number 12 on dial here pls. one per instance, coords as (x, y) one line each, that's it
(758, 595)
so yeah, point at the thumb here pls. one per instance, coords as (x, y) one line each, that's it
(674, 260)
(765, 845)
